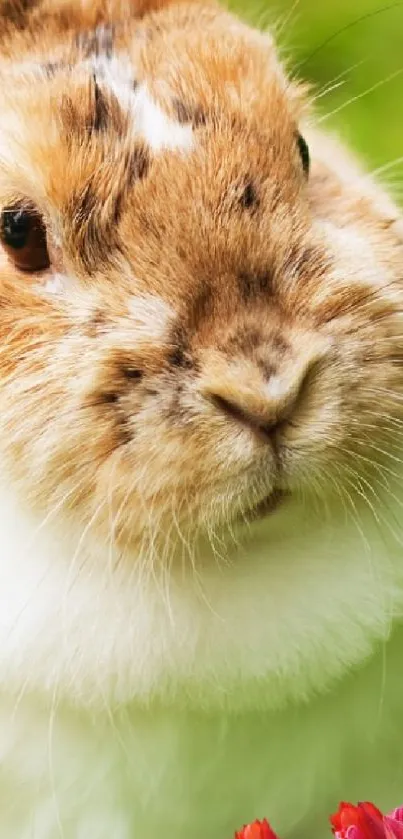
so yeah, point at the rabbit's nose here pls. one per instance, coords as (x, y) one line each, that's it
(260, 401)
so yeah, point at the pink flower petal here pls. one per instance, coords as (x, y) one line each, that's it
(353, 832)
(393, 828)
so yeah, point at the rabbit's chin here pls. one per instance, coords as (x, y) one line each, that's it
(281, 610)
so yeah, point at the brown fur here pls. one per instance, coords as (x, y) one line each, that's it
(240, 245)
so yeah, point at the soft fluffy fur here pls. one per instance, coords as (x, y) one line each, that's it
(201, 408)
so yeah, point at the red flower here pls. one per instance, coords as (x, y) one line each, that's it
(365, 821)
(258, 830)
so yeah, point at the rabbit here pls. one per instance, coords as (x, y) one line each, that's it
(201, 415)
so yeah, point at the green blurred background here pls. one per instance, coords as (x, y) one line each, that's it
(361, 55)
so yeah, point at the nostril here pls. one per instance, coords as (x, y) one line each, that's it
(132, 373)
(226, 406)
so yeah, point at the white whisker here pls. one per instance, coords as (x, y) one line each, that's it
(361, 95)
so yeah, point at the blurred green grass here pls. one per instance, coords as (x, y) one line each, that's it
(321, 39)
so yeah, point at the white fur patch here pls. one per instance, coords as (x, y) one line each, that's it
(304, 601)
(151, 316)
(157, 129)
(148, 120)
(55, 283)
(358, 263)
(277, 387)
(18, 69)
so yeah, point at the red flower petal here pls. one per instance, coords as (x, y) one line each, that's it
(365, 818)
(257, 830)
(371, 821)
(345, 817)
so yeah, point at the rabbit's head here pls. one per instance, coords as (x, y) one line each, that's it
(201, 297)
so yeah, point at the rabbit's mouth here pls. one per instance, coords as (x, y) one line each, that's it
(267, 506)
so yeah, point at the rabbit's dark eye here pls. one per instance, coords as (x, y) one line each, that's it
(304, 152)
(23, 235)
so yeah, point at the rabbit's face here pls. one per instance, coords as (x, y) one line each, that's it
(192, 323)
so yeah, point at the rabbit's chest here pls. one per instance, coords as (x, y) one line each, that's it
(189, 774)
